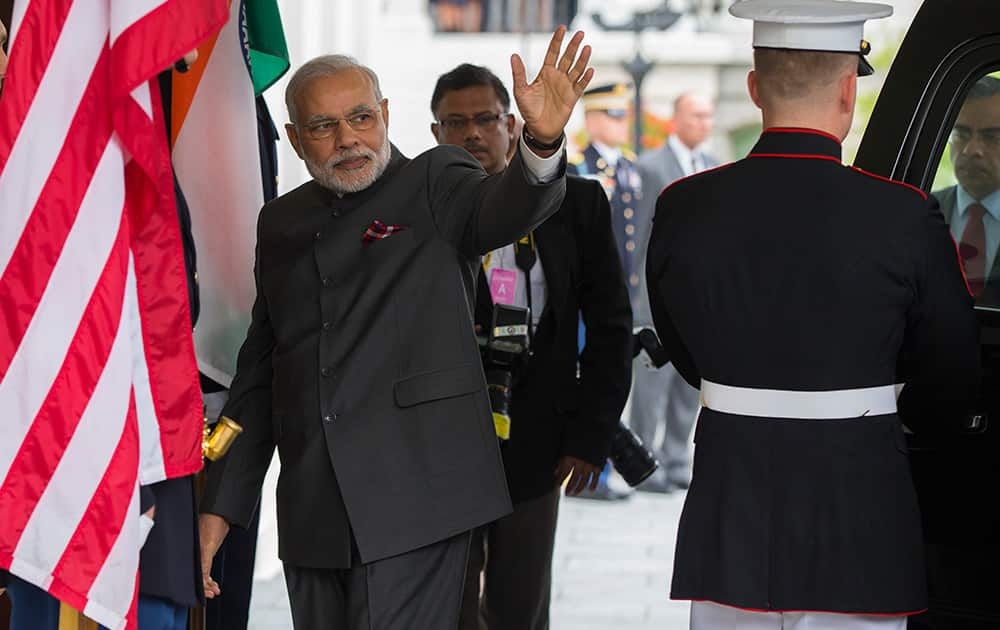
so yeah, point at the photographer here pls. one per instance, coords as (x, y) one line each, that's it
(561, 420)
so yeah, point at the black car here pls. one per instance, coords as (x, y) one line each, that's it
(938, 119)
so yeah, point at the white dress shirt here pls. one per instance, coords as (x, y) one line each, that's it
(544, 170)
(692, 160)
(503, 258)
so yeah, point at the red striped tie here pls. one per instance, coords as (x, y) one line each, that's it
(973, 248)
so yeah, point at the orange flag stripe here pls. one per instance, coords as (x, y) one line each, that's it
(184, 86)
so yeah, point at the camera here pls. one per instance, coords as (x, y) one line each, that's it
(502, 347)
(633, 461)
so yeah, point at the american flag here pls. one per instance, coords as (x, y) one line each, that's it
(98, 383)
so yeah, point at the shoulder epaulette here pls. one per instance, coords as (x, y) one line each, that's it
(629, 155)
(575, 159)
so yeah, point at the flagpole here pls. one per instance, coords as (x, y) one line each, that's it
(72, 619)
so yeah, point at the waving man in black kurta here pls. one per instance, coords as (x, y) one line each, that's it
(361, 364)
(796, 292)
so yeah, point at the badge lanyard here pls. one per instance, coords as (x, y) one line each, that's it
(525, 256)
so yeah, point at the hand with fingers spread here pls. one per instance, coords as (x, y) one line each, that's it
(581, 475)
(547, 102)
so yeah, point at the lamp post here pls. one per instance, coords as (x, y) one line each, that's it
(660, 18)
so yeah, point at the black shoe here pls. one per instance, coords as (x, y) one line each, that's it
(603, 493)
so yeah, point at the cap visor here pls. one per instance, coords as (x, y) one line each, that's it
(865, 69)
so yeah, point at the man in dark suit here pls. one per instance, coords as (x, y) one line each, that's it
(797, 313)
(663, 407)
(561, 424)
(972, 207)
(608, 161)
(361, 364)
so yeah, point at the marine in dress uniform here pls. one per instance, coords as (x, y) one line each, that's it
(796, 292)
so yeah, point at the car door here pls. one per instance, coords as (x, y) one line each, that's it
(938, 119)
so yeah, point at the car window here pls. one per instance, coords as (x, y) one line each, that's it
(967, 186)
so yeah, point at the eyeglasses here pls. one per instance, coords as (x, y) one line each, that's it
(964, 135)
(322, 128)
(459, 123)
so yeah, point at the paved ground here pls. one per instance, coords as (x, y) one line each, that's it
(611, 571)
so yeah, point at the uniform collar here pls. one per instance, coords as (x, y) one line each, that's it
(797, 143)
(610, 154)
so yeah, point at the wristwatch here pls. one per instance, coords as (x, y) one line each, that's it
(535, 143)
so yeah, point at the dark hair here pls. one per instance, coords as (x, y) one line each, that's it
(465, 76)
(984, 88)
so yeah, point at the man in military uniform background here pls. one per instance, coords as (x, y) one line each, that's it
(796, 292)
(606, 159)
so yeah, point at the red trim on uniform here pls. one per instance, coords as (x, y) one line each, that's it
(796, 155)
(893, 181)
(686, 177)
(828, 612)
(815, 132)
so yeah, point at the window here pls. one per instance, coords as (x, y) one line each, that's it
(967, 186)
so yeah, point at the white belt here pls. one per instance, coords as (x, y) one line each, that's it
(778, 403)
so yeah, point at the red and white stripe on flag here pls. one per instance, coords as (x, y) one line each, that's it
(98, 382)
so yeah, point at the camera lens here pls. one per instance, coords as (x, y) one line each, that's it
(631, 459)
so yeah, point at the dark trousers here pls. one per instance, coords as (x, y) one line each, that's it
(418, 590)
(34, 609)
(511, 560)
(31, 607)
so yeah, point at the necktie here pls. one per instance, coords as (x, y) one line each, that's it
(694, 163)
(972, 248)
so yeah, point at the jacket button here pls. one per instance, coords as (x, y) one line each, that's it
(328, 418)
(326, 371)
(327, 281)
(327, 325)
(337, 213)
(319, 235)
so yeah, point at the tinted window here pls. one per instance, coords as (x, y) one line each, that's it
(967, 186)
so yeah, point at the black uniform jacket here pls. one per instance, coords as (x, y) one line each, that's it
(555, 412)
(789, 271)
(361, 363)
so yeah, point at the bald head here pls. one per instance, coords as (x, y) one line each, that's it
(805, 88)
(694, 117)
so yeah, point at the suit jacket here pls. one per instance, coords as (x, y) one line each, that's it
(841, 281)
(658, 168)
(554, 411)
(361, 363)
(948, 199)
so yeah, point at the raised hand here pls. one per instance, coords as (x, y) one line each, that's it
(547, 102)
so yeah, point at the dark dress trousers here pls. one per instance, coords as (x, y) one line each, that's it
(789, 271)
(361, 364)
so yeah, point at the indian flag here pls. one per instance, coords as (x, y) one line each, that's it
(216, 155)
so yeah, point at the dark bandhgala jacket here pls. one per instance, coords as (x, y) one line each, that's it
(361, 363)
(789, 271)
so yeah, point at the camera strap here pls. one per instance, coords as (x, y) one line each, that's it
(525, 256)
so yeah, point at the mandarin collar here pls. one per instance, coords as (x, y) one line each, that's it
(797, 142)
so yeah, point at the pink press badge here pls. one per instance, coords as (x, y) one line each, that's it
(503, 283)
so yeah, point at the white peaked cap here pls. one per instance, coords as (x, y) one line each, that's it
(822, 25)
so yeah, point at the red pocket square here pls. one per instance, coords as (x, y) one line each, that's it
(378, 230)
